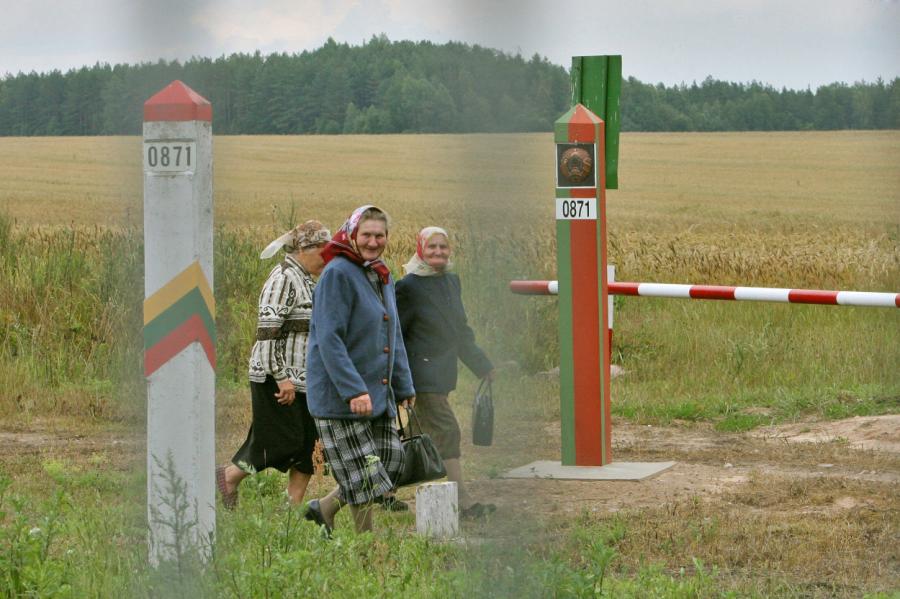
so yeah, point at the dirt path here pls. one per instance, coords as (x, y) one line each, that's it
(709, 464)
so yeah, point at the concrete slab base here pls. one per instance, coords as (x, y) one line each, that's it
(612, 471)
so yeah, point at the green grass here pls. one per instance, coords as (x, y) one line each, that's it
(74, 543)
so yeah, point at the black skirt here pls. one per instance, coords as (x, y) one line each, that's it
(280, 436)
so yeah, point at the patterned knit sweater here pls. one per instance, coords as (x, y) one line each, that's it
(285, 307)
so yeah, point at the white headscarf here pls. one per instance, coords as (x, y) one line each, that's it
(417, 265)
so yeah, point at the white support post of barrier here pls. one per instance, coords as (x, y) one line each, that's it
(611, 278)
(179, 322)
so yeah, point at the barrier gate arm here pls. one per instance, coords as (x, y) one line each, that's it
(868, 299)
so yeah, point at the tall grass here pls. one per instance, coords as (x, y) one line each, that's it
(71, 307)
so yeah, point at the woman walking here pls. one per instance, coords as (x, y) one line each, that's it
(436, 334)
(358, 370)
(282, 433)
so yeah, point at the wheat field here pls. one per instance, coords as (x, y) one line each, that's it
(815, 210)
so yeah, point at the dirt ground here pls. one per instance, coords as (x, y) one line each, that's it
(708, 463)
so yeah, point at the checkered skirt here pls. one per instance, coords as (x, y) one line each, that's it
(365, 456)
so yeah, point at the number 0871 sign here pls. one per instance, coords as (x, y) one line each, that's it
(169, 156)
(576, 208)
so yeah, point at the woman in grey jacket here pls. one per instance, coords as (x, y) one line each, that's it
(357, 371)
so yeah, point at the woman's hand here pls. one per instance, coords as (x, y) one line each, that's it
(285, 395)
(362, 405)
(409, 402)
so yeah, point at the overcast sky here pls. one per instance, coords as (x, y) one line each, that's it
(793, 43)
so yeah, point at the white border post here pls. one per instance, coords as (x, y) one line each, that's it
(179, 329)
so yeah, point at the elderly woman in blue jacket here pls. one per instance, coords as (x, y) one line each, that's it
(437, 334)
(357, 370)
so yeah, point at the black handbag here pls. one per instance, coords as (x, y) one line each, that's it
(422, 462)
(483, 414)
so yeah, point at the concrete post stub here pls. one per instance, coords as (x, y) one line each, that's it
(437, 510)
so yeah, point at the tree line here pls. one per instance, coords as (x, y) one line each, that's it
(382, 86)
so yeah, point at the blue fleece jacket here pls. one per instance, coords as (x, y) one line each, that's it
(355, 345)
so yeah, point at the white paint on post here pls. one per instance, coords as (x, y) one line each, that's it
(610, 278)
(180, 393)
(437, 510)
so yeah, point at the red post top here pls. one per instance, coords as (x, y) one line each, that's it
(578, 125)
(177, 102)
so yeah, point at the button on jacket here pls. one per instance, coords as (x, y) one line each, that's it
(436, 332)
(351, 328)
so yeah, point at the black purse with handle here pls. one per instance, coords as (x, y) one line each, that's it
(422, 462)
(483, 414)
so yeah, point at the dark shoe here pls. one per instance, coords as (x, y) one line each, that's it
(229, 500)
(478, 510)
(314, 515)
(392, 504)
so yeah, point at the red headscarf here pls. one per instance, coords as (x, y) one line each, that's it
(344, 244)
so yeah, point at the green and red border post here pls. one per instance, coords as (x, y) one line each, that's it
(591, 123)
(587, 157)
(581, 270)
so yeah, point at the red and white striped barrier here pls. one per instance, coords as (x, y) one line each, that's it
(721, 292)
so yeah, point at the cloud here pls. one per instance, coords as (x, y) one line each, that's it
(795, 43)
(273, 26)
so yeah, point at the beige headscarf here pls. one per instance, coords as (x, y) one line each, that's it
(417, 265)
(309, 234)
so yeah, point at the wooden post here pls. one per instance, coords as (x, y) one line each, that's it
(179, 325)
(597, 85)
(437, 510)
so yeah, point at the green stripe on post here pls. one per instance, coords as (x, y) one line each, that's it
(561, 127)
(566, 339)
(603, 364)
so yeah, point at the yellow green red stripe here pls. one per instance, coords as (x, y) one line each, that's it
(181, 312)
(188, 279)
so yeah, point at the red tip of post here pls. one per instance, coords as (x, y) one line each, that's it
(177, 102)
(582, 125)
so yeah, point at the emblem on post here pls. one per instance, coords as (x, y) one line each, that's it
(575, 163)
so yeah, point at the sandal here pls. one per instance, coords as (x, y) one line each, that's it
(314, 514)
(391, 503)
(229, 500)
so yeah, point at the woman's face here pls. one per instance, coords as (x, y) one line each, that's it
(436, 252)
(371, 237)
